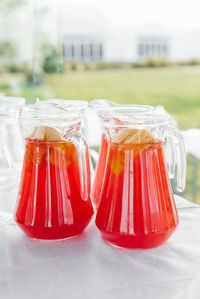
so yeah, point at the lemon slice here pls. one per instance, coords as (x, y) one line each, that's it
(139, 137)
(122, 134)
(133, 136)
(52, 134)
(46, 133)
(38, 133)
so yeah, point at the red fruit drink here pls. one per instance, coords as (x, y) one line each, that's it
(136, 208)
(100, 169)
(51, 204)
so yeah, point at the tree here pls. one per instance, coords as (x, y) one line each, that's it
(52, 60)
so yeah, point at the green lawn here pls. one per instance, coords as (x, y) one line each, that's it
(178, 88)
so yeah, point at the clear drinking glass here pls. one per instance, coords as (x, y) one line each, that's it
(11, 153)
(136, 203)
(54, 194)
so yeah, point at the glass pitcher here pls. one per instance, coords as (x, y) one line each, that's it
(103, 107)
(54, 194)
(136, 205)
(11, 153)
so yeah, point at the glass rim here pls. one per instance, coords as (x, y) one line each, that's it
(11, 100)
(46, 112)
(104, 106)
(59, 118)
(98, 104)
(138, 120)
(68, 104)
(125, 108)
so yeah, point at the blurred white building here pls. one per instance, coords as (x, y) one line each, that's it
(104, 42)
(132, 46)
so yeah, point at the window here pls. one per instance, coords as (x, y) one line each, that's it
(147, 47)
(152, 46)
(82, 49)
(141, 49)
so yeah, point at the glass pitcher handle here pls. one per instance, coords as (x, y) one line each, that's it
(84, 163)
(170, 156)
(178, 156)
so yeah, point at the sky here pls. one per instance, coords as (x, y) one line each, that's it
(111, 18)
(180, 14)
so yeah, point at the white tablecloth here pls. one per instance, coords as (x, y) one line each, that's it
(86, 267)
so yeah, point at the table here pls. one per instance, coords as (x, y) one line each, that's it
(86, 267)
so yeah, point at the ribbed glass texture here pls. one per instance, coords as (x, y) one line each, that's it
(99, 173)
(136, 206)
(51, 202)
